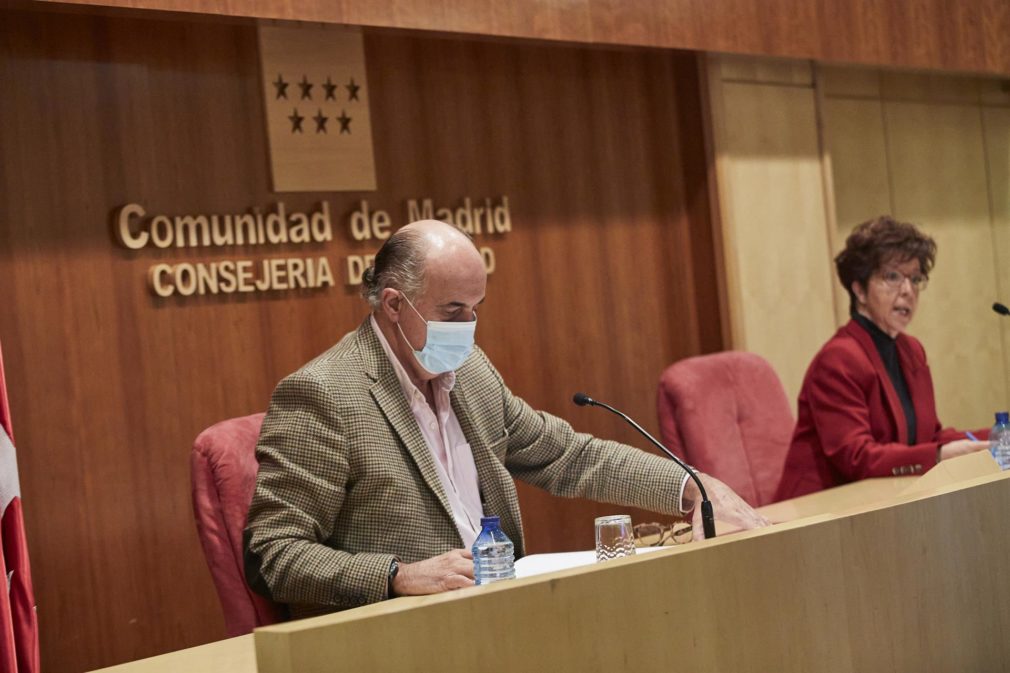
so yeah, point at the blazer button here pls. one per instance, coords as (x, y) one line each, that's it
(894, 471)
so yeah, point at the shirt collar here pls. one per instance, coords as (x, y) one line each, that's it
(881, 339)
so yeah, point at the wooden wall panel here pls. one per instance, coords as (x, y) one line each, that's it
(929, 149)
(996, 126)
(855, 145)
(971, 35)
(938, 177)
(773, 219)
(607, 277)
(926, 147)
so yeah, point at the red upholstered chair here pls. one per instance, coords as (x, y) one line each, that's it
(223, 466)
(727, 415)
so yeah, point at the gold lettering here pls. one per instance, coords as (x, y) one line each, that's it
(322, 228)
(228, 280)
(278, 273)
(263, 283)
(355, 269)
(277, 226)
(244, 272)
(296, 270)
(464, 217)
(207, 278)
(249, 222)
(299, 232)
(476, 220)
(218, 237)
(260, 234)
(185, 279)
(324, 276)
(381, 224)
(359, 223)
(124, 234)
(425, 212)
(489, 259)
(161, 231)
(154, 275)
(194, 226)
(502, 217)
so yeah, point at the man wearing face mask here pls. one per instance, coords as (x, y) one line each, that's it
(379, 457)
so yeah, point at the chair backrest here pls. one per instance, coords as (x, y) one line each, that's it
(223, 466)
(727, 415)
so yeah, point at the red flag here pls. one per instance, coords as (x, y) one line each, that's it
(19, 628)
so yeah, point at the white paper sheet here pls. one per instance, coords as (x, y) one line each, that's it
(537, 564)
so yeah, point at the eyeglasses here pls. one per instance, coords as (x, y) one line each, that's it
(659, 534)
(894, 279)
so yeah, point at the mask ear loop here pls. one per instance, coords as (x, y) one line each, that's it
(413, 308)
(405, 339)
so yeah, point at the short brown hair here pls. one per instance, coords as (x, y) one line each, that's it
(877, 242)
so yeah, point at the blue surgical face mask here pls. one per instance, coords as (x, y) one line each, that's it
(448, 343)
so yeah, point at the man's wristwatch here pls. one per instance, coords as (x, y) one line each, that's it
(394, 568)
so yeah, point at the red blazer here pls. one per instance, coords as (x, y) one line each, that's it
(851, 424)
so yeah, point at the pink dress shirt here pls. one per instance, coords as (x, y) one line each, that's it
(444, 436)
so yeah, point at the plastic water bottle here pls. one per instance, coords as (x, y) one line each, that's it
(999, 440)
(493, 554)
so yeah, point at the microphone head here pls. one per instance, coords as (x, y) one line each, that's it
(582, 399)
(1001, 309)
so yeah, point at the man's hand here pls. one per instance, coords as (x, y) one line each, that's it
(451, 570)
(961, 447)
(729, 507)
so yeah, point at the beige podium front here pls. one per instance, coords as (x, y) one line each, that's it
(914, 583)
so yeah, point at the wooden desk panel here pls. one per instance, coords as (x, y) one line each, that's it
(902, 581)
(917, 585)
(234, 655)
(836, 500)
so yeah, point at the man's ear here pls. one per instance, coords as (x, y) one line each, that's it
(391, 303)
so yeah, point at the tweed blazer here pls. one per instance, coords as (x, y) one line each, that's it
(346, 481)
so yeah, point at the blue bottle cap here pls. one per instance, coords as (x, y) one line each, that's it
(489, 521)
(1002, 417)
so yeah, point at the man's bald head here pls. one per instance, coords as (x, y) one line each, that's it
(415, 251)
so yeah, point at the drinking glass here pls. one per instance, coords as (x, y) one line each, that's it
(614, 537)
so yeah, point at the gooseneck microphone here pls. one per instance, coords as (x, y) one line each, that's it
(1001, 309)
(707, 515)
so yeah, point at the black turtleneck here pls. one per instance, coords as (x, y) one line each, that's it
(888, 350)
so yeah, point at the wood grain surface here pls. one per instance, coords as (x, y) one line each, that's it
(971, 35)
(842, 601)
(606, 278)
(932, 150)
(772, 212)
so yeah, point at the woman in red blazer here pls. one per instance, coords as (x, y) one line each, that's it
(867, 407)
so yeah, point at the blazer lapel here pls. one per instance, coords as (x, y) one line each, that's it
(893, 403)
(492, 476)
(920, 389)
(388, 395)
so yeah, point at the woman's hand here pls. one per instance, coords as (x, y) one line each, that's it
(961, 447)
